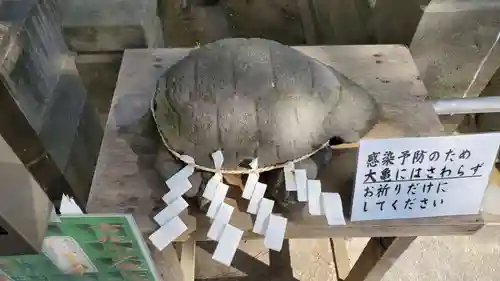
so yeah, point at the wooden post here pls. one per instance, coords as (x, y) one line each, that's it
(167, 263)
(340, 257)
(188, 259)
(378, 257)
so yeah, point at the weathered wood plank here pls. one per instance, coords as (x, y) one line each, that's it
(378, 257)
(21, 232)
(341, 257)
(456, 49)
(188, 252)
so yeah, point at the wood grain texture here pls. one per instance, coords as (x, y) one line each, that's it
(378, 257)
(188, 251)
(168, 264)
(125, 179)
(341, 257)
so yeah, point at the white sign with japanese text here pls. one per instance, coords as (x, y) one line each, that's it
(422, 177)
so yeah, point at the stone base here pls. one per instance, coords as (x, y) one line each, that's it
(99, 73)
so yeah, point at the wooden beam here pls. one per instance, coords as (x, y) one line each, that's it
(188, 259)
(316, 227)
(167, 263)
(378, 257)
(340, 257)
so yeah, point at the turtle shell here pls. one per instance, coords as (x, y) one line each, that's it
(257, 98)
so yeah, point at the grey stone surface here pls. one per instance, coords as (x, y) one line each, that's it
(21, 232)
(110, 25)
(42, 81)
(258, 98)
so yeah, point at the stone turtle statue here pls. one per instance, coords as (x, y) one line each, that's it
(258, 98)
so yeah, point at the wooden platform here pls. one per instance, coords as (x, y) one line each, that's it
(126, 182)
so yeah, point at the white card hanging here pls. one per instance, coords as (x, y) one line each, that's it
(252, 180)
(172, 210)
(301, 182)
(182, 186)
(314, 197)
(69, 207)
(218, 158)
(214, 181)
(162, 237)
(211, 186)
(332, 208)
(257, 196)
(228, 244)
(275, 232)
(182, 174)
(222, 218)
(218, 199)
(289, 177)
(265, 210)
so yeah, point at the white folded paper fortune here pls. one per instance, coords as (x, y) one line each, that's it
(314, 197)
(218, 199)
(275, 232)
(263, 214)
(252, 180)
(177, 189)
(258, 194)
(332, 208)
(301, 183)
(222, 218)
(182, 174)
(228, 244)
(172, 210)
(162, 237)
(214, 181)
